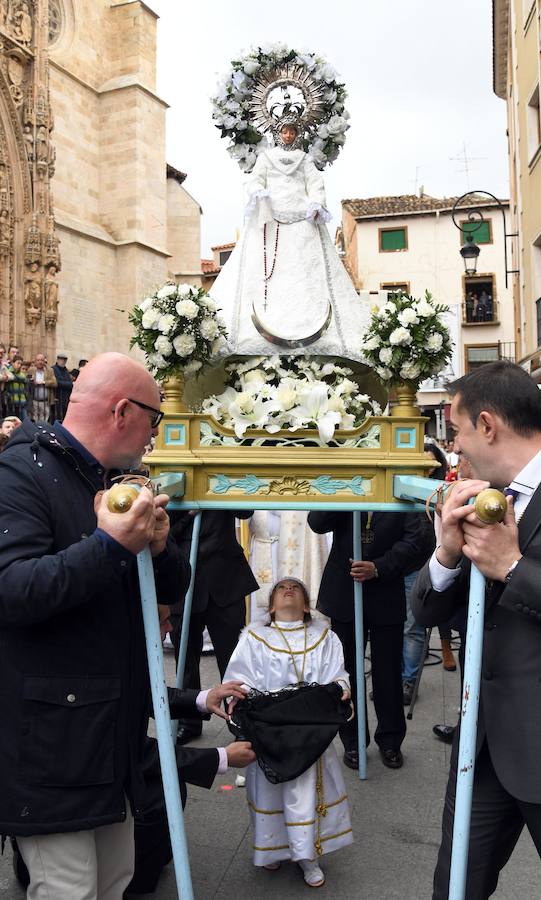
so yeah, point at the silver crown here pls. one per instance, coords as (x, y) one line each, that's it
(305, 115)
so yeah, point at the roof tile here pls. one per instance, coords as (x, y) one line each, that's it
(404, 204)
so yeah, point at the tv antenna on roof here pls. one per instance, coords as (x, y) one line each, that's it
(466, 160)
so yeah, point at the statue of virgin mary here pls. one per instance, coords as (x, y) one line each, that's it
(284, 289)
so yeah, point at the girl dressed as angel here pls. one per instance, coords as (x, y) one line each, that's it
(304, 818)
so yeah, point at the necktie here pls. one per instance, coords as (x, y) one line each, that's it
(511, 492)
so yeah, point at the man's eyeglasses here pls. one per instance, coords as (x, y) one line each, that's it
(157, 414)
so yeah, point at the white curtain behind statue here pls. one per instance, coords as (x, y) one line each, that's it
(282, 544)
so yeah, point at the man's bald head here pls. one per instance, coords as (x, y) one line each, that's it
(110, 377)
(106, 412)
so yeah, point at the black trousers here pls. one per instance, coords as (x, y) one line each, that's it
(386, 656)
(497, 820)
(224, 624)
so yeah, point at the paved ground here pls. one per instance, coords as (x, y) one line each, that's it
(396, 821)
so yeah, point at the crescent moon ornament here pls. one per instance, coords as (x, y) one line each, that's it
(490, 506)
(121, 498)
(304, 340)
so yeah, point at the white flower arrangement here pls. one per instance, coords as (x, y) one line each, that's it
(407, 339)
(179, 330)
(275, 393)
(231, 105)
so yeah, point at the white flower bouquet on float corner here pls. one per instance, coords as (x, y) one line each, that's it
(178, 329)
(407, 340)
(275, 393)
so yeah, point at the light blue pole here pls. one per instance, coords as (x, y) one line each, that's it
(359, 649)
(187, 612)
(468, 736)
(162, 718)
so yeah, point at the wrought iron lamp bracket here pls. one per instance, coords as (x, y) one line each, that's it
(476, 219)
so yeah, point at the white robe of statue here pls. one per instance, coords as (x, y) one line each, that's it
(282, 545)
(296, 819)
(308, 289)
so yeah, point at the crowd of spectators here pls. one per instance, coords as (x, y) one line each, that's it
(33, 388)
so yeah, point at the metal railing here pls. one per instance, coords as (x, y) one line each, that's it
(507, 350)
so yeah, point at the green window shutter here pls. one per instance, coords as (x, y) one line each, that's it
(480, 231)
(393, 239)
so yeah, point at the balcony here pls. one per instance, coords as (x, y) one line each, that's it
(481, 313)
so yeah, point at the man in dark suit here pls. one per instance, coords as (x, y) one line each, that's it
(393, 544)
(223, 579)
(496, 416)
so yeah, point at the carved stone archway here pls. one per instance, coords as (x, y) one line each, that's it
(29, 256)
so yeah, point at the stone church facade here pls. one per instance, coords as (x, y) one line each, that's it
(91, 218)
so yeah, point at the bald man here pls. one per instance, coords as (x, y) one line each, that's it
(73, 673)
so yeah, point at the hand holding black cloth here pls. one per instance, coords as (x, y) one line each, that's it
(290, 729)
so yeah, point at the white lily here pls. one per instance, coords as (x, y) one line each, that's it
(257, 417)
(314, 407)
(218, 406)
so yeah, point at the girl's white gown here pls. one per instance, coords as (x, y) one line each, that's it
(309, 816)
(308, 290)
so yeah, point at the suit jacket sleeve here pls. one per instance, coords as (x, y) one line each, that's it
(408, 553)
(194, 766)
(432, 607)
(521, 595)
(183, 703)
(197, 766)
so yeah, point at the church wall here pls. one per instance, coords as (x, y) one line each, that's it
(123, 230)
(110, 185)
(83, 40)
(132, 166)
(77, 179)
(183, 233)
(87, 318)
(132, 48)
(107, 39)
(101, 283)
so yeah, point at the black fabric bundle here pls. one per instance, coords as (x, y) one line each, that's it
(290, 729)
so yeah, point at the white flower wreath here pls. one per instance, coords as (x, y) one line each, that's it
(233, 108)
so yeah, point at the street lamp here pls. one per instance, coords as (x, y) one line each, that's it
(470, 251)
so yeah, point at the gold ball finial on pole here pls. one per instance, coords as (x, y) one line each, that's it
(490, 506)
(121, 498)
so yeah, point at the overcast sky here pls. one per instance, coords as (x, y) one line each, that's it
(419, 80)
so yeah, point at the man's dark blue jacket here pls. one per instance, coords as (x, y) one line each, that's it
(74, 695)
